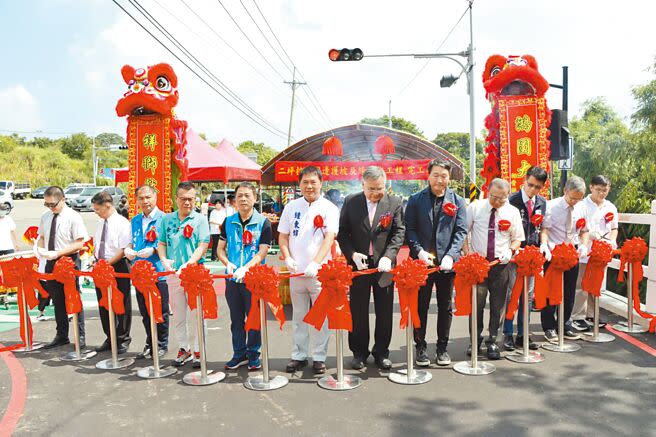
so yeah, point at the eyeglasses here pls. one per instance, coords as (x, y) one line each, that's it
(536, 186)
(498, 198)
(186, 199)
(51, 204)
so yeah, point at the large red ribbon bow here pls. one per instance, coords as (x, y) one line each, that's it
(409, 276)
(144, 279)
(262, 281)
(470, 270)
(564, 257)
(196, 280)
(529, 263)
(332, 302)
(600, 255)
(103, 278)
(64, 273)
(634, 251)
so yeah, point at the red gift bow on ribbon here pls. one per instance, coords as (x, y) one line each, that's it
(188, 231)
(88, 247)
(563, 257)
(30, 235)
(449, 209)
(64, 273)
(385, 220)
(151, 235)
(600, 255)
(103, 278)
(537, 219)
(247, 238)
(318, 221)
(144, 279)
(196, 280)
(409, 276)
(503, 225)
(634, 251)
(336, 278)
(262, 281)
(470, 270)
(580, 224)
(609, 217)
(529, 263)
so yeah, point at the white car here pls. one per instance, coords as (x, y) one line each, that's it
(6, 199)
(72, 193)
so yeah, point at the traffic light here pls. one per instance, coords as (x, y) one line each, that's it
(345, 55)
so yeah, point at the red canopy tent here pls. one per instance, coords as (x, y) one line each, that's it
(222, 163)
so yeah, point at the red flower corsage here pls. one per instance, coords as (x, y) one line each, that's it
(580, 224)
(537, 219)
(247, 238)
(609, 217)
(188, 231)
(449, 209)
(151, 235)
(385, 220)
(503, 225)
(318, 223)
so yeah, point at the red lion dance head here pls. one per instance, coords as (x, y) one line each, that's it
(151, 90)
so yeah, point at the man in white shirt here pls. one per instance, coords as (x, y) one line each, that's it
(112, 236)
(8, 239)
(495, 232)
(61, 233)
(217, 217)
(562, 225)
(307, 228)
(602, 219)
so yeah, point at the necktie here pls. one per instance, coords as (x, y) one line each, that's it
(569, 232)
(53, 232)
(103, 238)
(372, 211)
(490, 235)
(529, 207)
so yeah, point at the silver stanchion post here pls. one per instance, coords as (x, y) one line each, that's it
(114, 362)
(204, 377)
(264, 382)
(343, 382)
(629, 326)
(410, 376)
(30, 345)
(526, 356)
(78, 354)
(595, 336)
(474, 367)
(154, 371)
(561, 346)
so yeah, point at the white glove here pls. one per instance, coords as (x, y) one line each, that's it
(146, 252)
(47, 254)
(230, 268)
(35, 250)
(181, 268)
(447, 263)
(506, 256)
(613, 244)
(595, 235)
(312, 270)
(583, 251)
(360, 260)
(426, 257)
(544, 250)
(384, 264)
(129, 253)
(168, 264)
(292, 266)
(239, 274)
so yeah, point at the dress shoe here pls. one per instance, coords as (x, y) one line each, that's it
(357, 363)
(383, 363)
(295, 365)
(319, 367)
(519, 343)
(481, 348)
(56, 342)
(104, 347)
(146, 353)
(493, 352)
(508, 343)
(122, 349)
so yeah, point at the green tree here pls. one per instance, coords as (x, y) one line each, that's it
(107, 139)
(41, 142)
(77, 146)
(398, 123)
(264, 153)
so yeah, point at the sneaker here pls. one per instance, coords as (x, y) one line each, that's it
(590, 321)
(442, 358)
(41, 317)
(182, 358)
(551, 336)
(254, 363)
(508, 342)
(571, 335)
(519, 343)
(236, 362)
(422, 359)
(581, 325)
(196, 361)
(161, 352)
(146, 353)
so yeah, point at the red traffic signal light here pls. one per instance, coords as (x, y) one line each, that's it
(345, 55)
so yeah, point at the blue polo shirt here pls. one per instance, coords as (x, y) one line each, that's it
(178, 247)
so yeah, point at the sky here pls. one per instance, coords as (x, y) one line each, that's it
(62, 60)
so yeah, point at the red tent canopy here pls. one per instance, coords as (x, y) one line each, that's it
(206, 163)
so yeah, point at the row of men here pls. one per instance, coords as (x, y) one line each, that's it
(437, 226)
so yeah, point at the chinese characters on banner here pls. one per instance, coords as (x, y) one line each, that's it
(149, 159)
(523, 137)
(287, 171)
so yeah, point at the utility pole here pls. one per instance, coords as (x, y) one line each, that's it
(94, 164)
(472, 115)
(565, 88)
(294, 84)
(389, 124)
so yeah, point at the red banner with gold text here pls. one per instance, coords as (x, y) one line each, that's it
(287, 171)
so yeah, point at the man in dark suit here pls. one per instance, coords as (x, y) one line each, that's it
(436, 227)
(371, 231)
(530, 204)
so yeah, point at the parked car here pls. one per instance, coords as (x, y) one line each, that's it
(15, 190)
(77, 185)
(71, 193)
(37, 193)
(5, 199)
(267, 200)
(82, 202)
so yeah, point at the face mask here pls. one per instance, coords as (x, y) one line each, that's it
(3, 212)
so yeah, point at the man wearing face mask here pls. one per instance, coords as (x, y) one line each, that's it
(435, 231)
(371, 231)
(145, 229)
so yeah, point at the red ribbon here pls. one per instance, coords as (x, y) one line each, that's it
(609, 216)
(564, 257)
(247, 238)
(529, 263)
(580, 224)
(144, 279)
(537, 219)
(318, 221)
(88, 247)
(336, 278)
(188, 231)
(385, 220)
(449, 209)
(103, 278)
(151, 235)
(197, 280)
(634, 251)
(64, 273)
(503, 225)
(262, 281)
(409, 276)
(470, 270)
(600, 255)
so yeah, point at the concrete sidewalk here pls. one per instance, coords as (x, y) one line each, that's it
(603, 389)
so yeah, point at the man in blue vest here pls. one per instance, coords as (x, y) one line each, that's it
(145, 230)
(244, 241)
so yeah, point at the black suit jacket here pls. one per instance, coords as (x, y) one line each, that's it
(355, 233)
(531, 232)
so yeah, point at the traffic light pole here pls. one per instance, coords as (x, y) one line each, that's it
(294, 84)
(565, 88)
